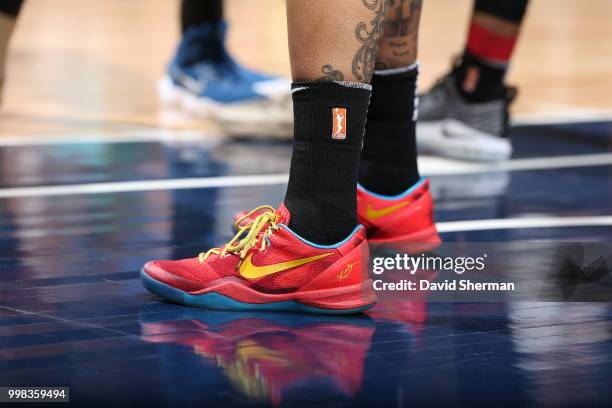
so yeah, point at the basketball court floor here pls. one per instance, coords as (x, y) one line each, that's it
(88, 195)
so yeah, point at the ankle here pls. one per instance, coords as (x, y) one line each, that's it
(389, 156)
(328, 135)
(479, 81)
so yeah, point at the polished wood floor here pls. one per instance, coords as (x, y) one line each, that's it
(80, 66)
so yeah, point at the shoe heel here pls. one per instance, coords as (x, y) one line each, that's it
(344, 285)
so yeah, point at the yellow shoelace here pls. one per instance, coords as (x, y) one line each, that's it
(250, 231)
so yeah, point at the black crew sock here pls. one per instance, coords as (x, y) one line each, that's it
(10, 7)
(328, 136)
(389, 158)
(197, 12)
(479, 81)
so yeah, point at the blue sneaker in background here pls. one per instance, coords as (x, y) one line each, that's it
(204, 80)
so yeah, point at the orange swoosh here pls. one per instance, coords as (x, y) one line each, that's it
(250, 271)
(373, 214)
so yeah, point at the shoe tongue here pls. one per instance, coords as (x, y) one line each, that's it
(206, 33)
(283, 212)
(204, 43)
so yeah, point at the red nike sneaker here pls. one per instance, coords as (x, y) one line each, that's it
(404, 221)
(266, 266)
(404, 218)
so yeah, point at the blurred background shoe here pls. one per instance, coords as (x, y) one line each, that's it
(451, 126)
(204, 80)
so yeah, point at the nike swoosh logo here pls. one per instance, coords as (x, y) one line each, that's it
(250, 271)
(193, 85)
(461, 131)
(189, 83)
(450, 135)
(373, 214)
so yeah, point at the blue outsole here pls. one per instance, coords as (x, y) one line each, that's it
(214, 300)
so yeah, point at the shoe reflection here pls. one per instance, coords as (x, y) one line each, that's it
(265, 355)
(410, 315)
(408, 308)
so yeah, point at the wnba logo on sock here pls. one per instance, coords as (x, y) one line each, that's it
(339, 120)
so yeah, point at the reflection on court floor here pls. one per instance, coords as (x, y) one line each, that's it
(73, 312)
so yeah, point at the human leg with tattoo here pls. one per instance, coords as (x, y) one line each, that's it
(204, 79)
(309, 254)
(394, 202)
(465, 115)
(9, 10)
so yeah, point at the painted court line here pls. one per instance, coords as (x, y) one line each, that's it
(143, 136)
(430, 166)
(555, 115)
(524, 222)
(146, 185)
(565, 116)
(438, 166)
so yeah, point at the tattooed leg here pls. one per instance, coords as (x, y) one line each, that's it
(398, 46)
(389, 158)
(334, 40)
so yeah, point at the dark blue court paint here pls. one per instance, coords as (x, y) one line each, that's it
(73, 312)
